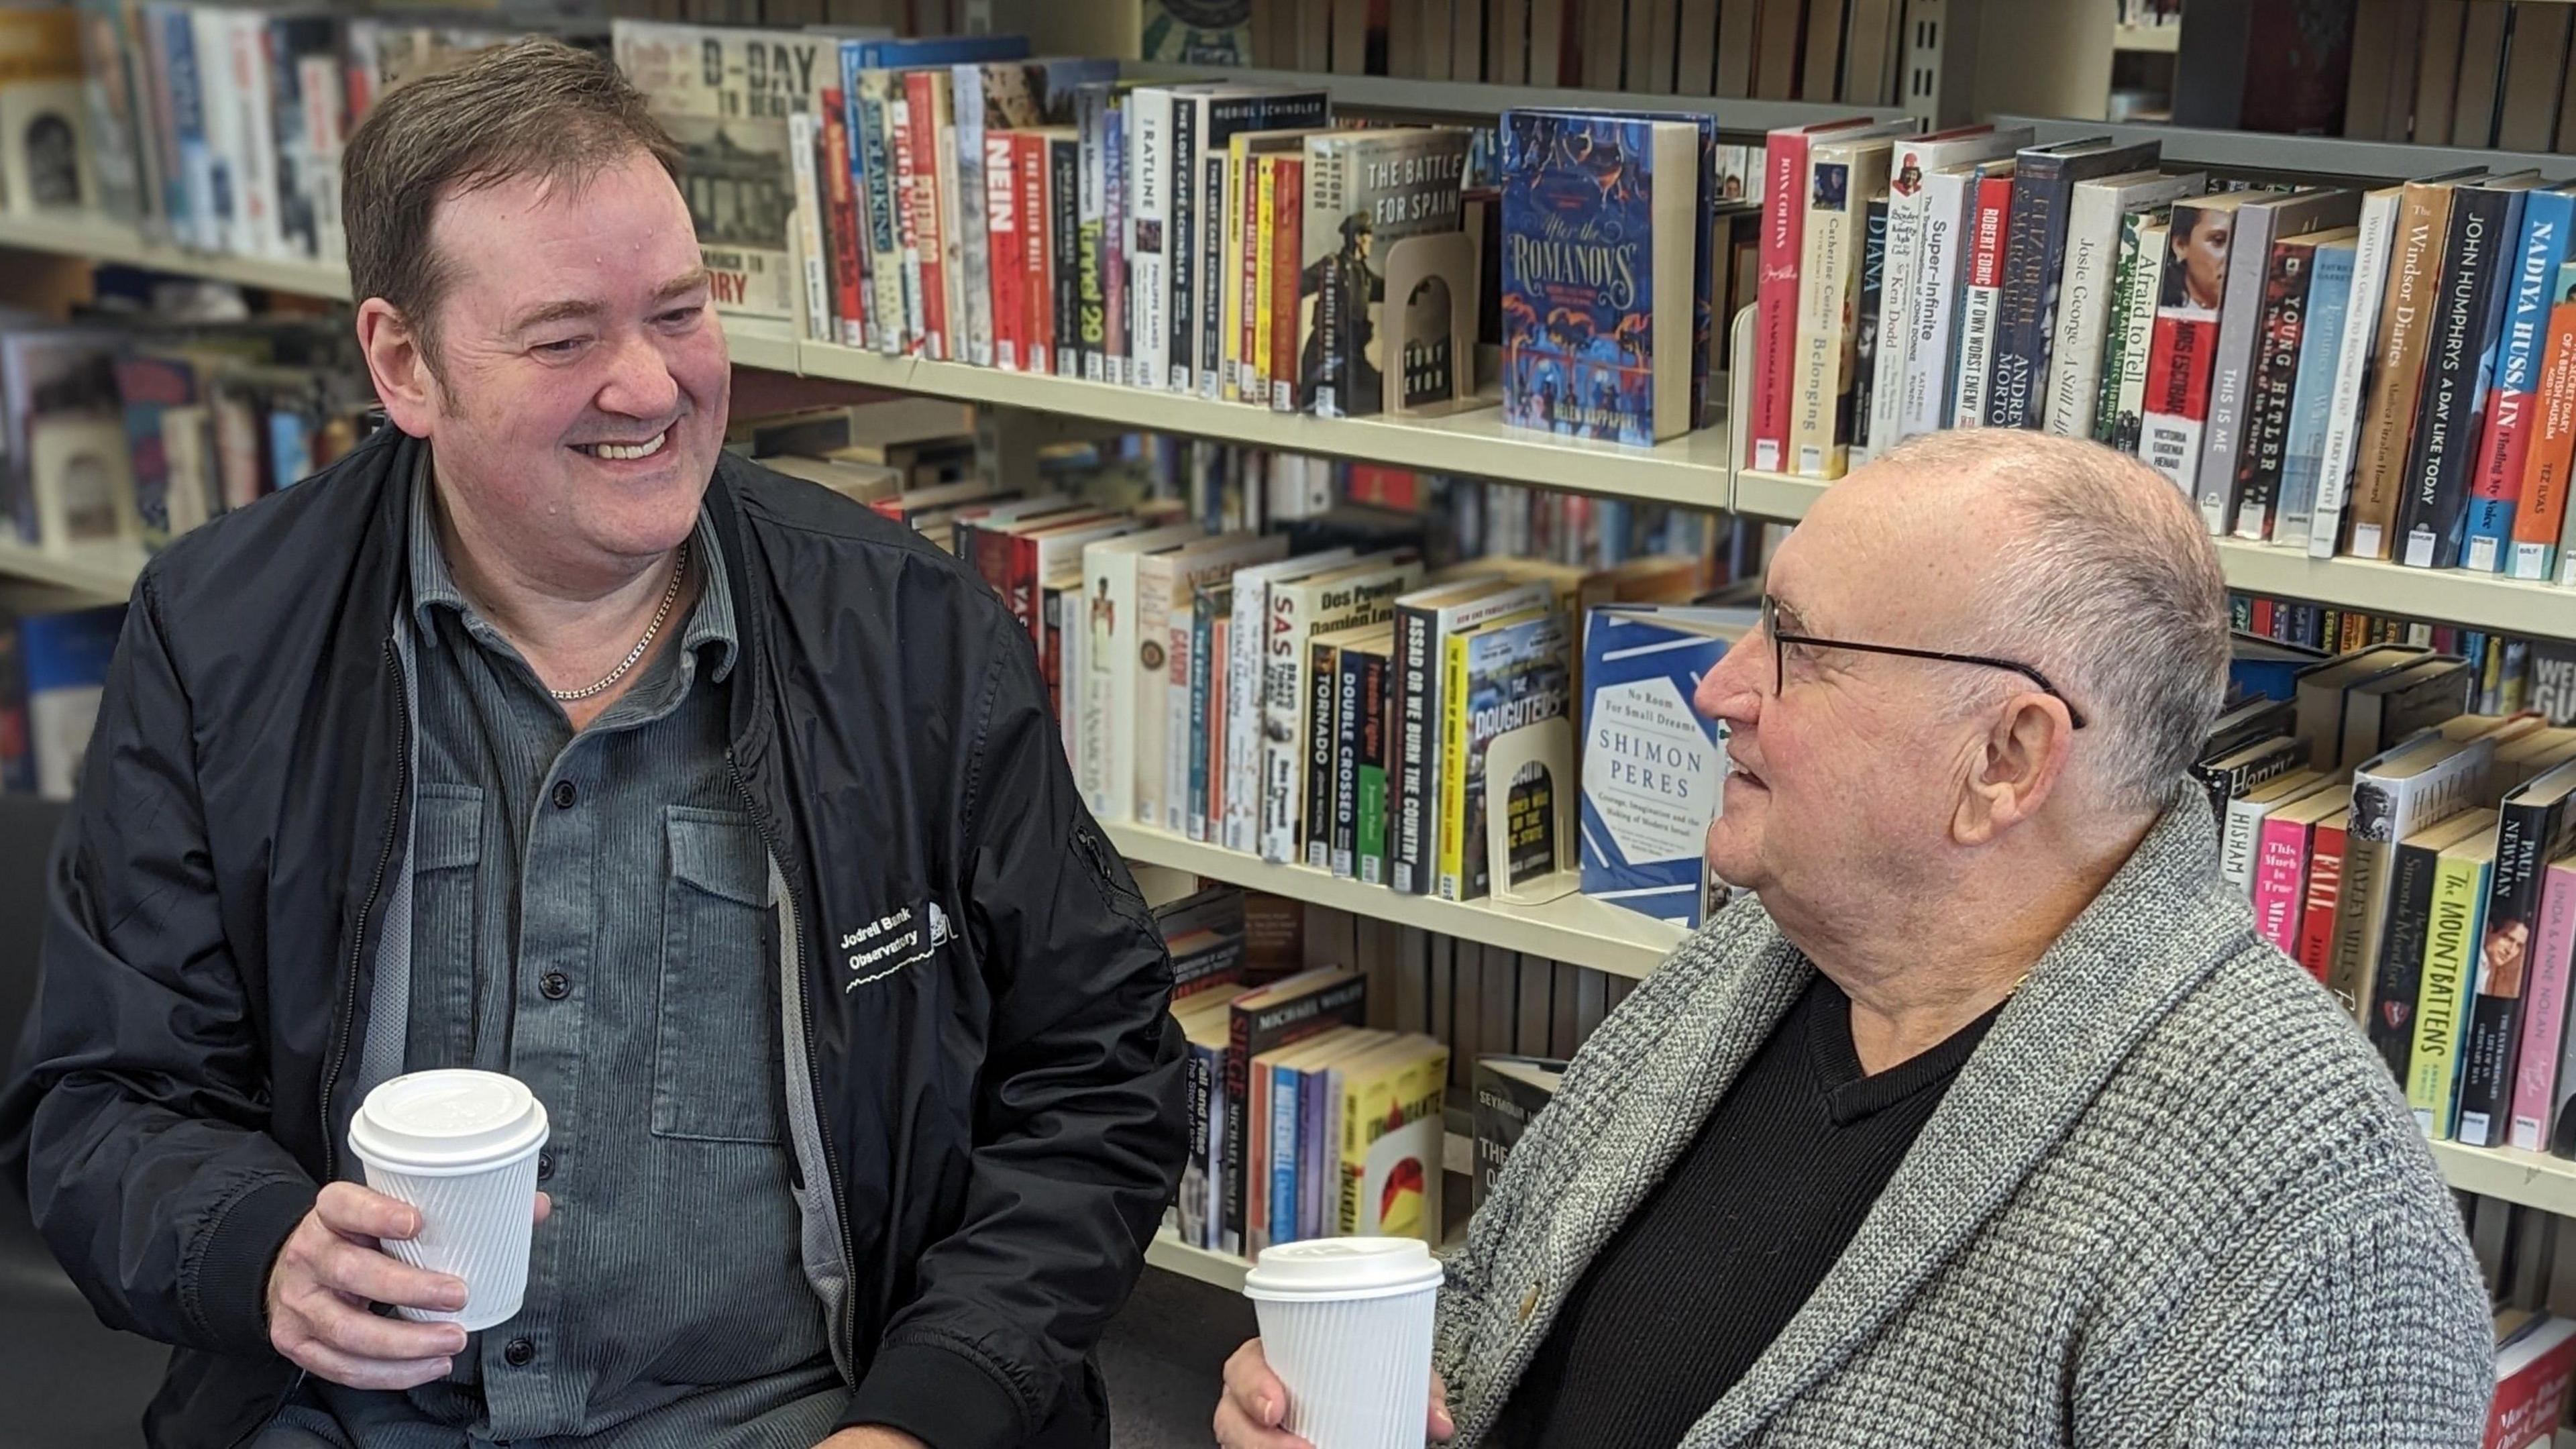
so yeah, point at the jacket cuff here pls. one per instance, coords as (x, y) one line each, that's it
(229, 1293)
(940, 1396)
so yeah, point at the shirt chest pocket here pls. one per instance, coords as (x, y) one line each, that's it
(719, 1063)
(446, 878)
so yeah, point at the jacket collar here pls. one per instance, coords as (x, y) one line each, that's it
(2153, 934)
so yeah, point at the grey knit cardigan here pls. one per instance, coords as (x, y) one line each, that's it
(2173, 1199)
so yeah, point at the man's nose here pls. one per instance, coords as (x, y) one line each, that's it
(1732, 689)
(640, 384)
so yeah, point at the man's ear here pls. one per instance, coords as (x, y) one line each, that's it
(398, 362)
(2018, 766)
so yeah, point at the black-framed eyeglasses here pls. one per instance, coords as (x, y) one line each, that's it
(1782, 639)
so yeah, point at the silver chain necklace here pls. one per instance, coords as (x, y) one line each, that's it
(670, 596)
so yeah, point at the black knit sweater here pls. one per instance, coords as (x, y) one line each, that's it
(1722, 1253)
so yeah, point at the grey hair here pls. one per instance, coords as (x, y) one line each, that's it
(2111, 587)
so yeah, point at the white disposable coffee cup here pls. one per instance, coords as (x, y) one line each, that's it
(1346, 1324)
(461, 1146)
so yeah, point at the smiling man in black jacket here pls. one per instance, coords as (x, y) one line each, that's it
(537, 736)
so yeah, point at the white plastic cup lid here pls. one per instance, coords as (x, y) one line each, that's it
(1342, 1268)
(448, 1121)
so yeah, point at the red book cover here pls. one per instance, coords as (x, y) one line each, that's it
(1250, 368)
(1019, 584)
(921, 142)
(907, 242)
(1037, 303)
(2280, 878)
(1287, 250)
(2532, 1373)
(848, 244)
(2325, 888)
(2262, 620)
(2544, 484)
(2504, 453)
(1784, 239)
(993, 558)
(1003, 247)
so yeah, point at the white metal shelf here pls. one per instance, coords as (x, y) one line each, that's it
(1575, 929)
(1479, 99)
(1690, 470)
(2532, 1179)
(2453, 596)
(2148, 39)
(74, 581)
(1169, 1253)
(2322, 156)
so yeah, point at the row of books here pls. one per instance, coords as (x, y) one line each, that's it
(2420, 861)
(53, 669)
(2381, 374)
(1818, 50)
(2435, 72)
(116, 436)
(2510, 674)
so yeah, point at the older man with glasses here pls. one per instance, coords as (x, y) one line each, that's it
(1992, 1122)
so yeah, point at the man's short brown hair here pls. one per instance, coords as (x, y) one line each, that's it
(534, 108)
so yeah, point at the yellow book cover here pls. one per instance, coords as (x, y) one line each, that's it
(1265, 185)
(2450, 979)
(1238, 166)
(1453, 766)
(1391, 1141)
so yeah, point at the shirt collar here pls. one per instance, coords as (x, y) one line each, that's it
(433, 585)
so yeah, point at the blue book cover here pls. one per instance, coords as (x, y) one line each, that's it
(1653, 767)
(1578, 276)
(2312, 393)
(2514, 368)
(193, 214)
(17, 765)
(1283, 1154)
(65, 658)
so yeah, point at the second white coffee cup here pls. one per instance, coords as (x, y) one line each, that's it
(1346, 1324)
(461, 1146)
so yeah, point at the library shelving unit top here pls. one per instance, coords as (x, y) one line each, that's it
(1574, 929)
(2158, 39)
(69, 580)
(2449, 596)
(1690, 470)
(2531, 1179)
(1169, 1253)
(1402, 94)
(2329, 158)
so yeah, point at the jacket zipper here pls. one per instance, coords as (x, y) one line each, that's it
(833, 1178)
(358, 946)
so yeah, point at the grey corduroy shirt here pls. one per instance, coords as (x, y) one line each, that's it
(2174, 1199)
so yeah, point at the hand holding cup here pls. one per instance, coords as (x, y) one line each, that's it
(1256, 1404)
(330, 1270)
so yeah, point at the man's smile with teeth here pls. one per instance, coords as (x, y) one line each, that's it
(627, 451)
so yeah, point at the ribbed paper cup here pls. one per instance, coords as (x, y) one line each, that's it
(461, 1146)
(1346, 1324)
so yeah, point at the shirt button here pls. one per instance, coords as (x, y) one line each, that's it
(520, 1353)
(565, 794)
(555, 985)
(545, 1166)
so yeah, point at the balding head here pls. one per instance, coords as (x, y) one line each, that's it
(2085, 563)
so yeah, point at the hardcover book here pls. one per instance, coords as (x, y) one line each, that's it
(1597, 274)
(1654, 768)
(1365, 191)
(2504, 453)
(1842, 176)
(2044, 179)
(2185, 343)
(2535, 826)
(1506, 676)
(2264, 217)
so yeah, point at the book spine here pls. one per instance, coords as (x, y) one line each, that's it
(2450, 954)
(962, 155)
(2535, 1090)
(2137, 343)
(2504, 454)
(1283, 708)
(2280, 871)
(2329, 312)
(2315, 949)
(1117, 234)
(1009, 249)
(1214, 167)
(1286, 243)
(1195, 1229)
(2241, 826)
(1220, 722)
(1784, 215)
(1323, 736)
(1897, 318)
(2408, 307)
(1148, 721)
(1369, 828)
(1090, 255)
(2502, 954)
(1414, 796)
(1453, 769)
(849, 238)
(1203, 717)
(1260, 242)
(2544, 488)
(1181, 246)
(2084, 310)
(1238, 1084)
(1244, 695)
(2231, 371)
(2397, 987)
(900, 113)
(2433, 515)
(2016, 387)
(2176, 406)
(1949, 244)
(2352, 971)
(2269, 391)
(1149, 279)
(948, 202)
(1285, 1083)
(2352, 366)
(1346, 763)
(815, 262)
(1037, 252)
(1979, 301)
(1064, 245)
(1824, 292)
(881, 190)
(1185, 731)
(1234, 336)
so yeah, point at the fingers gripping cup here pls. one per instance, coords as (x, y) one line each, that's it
(1346, 1324)
(461, 1146)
